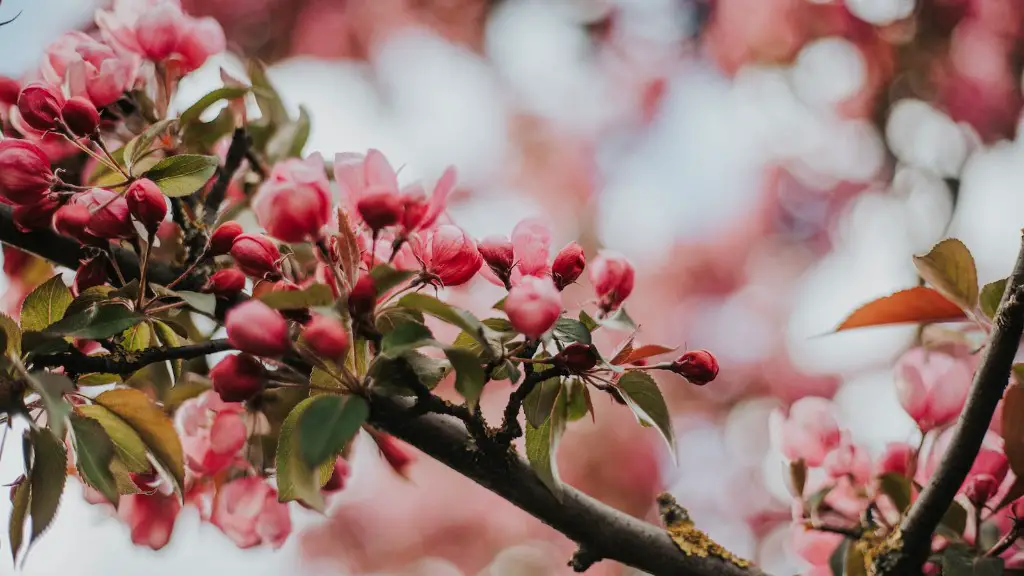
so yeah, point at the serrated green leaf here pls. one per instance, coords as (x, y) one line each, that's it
(959, 560)
(102, 176)
(152, 425)
(470, 376)
(138, 146)
(89, 298)
(51, 388)
(94, 452)
(129, 447)
(392, 374)
(898, 488)
(949, 267)
(10, 334)
(19, 511)
(569, 330)
(182, 391)
(447, 313)
(990, 296)
(137, 337)
(406, 336)
(183, 175)
(45, 305)
(538, 403)
(295, 480)
(310, 297)
(644, 398)
(327, 425)
(267, 97)
(96, 323)
(195, 111)
(389, 318)
(199, 301)
(49, 473)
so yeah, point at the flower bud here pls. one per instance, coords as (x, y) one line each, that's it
(294, 203)
(25, 174)
(9, 90)
(338, 478)
(363, 297)
(499, 254)
(36, 216)
(256, 255)
(238, 377)
(223, 237)
(255, 328)
(697, 366)
(809, 431)
(40, 106)
(380, 209)
(612, 276)
(110, 215)
(980, 489)
(326, 337)
(533, 306)
(932, 384)
(397, 456)
(568, 265)
(92, 272)
(80, 116)
(73, 220)
(147, 203)
(226, 283)
(896, 459)
(266, 287)
(578, 357)
(451, 255)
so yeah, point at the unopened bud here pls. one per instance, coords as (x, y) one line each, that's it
(147, 203)
(568, 265)
(697, 366)
(326, 337)
(578, 357)
(237, 378)
(40, 106)
(223, 237)
(226, 283)
(80, 116)
(363, 297)
(256, 255)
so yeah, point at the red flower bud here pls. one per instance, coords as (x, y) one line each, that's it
(226, 283)
(72, 220)
(294, 202)
(256, 255)
(80, 116)
(266, 287)
(110, 215)
(363, 297)
(147, 203)
(533, 306)
(255, 328)
(338, 477)
(397, 455)
(414, 209)
(568, 265)
(9, 90)
(237, 378)
(36, 216)
(25, 175)
(326, 337)
(92, 272)
(578, 357)
(612, 276)
(380, 209)
(451, 254)
(697, 366)
(499, 254)
(223, 237)
(980, 489)
(40, 106)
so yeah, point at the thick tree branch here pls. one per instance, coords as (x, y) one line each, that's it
(78, 363)
(987, 390)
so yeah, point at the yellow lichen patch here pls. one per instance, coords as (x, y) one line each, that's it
(685, 534)
(874, 545)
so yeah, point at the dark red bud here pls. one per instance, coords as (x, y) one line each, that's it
(697, 366)
(226, 283)
(80, 116)
(223, 237)
(338, 477)
(40, 106)
(568, 265)
(256, 255)
(238, 378)
(578, 357)
(380, 209)
(9, 90)
(326, 337)
(147, 203)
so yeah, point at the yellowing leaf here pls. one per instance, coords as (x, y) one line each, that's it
(991, 294)
(915, 305)
(296, 480)
(45, 305)
(93, 454)
(949, 267)
(152, 425)
(127, 443)
(1013, 426)
(19, 512)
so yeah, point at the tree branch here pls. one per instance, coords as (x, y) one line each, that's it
(987, 390)
(78, 363)
(236, 154)
(510, 427)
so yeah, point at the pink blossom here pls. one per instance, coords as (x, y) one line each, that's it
(358, 174)
(25, 175)
(612, 276)
(532, 241)
(150, 517)
(294, 203)
(848, 459)
(897, 459)
(212, 432)
(533, 306)
(160, 31)
(89, 68)
(419, 212)
(814, 546)
(256, 328)
(449, 253)
(932, 384)
(809, 432)
(109, 213)
(248, 513)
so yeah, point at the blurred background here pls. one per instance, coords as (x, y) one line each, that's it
(768, 165)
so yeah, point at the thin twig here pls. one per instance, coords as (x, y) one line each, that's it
(236, 154)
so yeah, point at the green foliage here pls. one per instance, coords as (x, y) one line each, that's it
(295, 479)
(184, 174)
(45, 305)
(404, 337)
(310, 297)
(990, 296)
(648, 405)
(141, 144)
(960, 560)
(10, 335)
(897, 488)
(192, 114)
(49, 473)
(569, 330)
(51, 388)
(949, 267)
(539, 402)
(128, 445)
(385, 277)
(94, 453)
(96, 323)
(542, 446)
(447, 313)
(327, 425)
(19, 512)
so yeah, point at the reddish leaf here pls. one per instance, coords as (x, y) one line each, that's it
(624, 350)
(915, 305)
(1013, 424)
(647, 351)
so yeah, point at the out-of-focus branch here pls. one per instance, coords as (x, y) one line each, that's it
(237, 152)
(78, 363)
(909, 552)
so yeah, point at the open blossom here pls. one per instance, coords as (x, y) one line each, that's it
(159, 30)
(848, 459)
(533, 306)
(808, 432)
(89, 68)
(449, 253)
(532, 240)
(294, 203)
(932, 384)
(256, 328)
(421, 213)
(150, 517)
(248, 513)
(896, 459)
(612, 276)
(212, 432)
(25, 174)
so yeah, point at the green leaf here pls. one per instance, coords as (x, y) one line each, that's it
(588, 321)
(129, 447)
(645, 400)
(94, 452)
(569, 330)
(89, 298)
(470, 376)
(499, 333)
(96, 323)
(898, 488)
(406, 336)
(385, 277)
(327, 425)
(955, 518)
(152, 425)
(51, 388)
(10, 335)
(296, 480)
(389, 318)
(102, 176)
(45, 305)
(184, 174)
(577, 402)
(538, 403)
(619, 320)
(447, 313)
(853, 564)
(289, 140)
(19, 512)
(959, 560)
(392, 374)
(267, 97)
(199, 301)
(168, 338)
(193, 113)
(313, 296)
(837, 560)
(49, 473)
(98, 379)
(990, 296)
(138, 146)
(137, 337)
(542, 446)
(949, 267)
